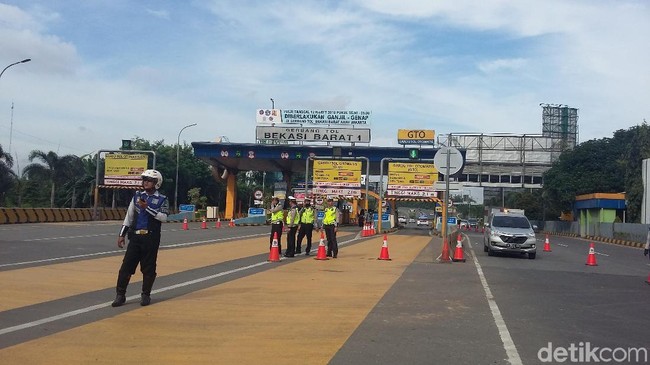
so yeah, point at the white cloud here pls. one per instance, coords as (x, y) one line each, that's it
(162, 14)
(415, 64)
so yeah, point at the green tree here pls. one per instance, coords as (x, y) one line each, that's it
(7, 176)
(52, 169)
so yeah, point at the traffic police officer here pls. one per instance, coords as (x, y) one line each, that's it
(330, 225)
(277, 216)
(293, 219)
(144, 217)
(307, 216)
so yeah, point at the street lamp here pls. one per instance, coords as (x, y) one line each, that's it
(178, 146)
(15, 63)
(272, 103)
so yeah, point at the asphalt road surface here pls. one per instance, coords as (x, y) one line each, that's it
(219, 301)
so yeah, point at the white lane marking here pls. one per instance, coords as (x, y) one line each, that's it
(132, 297)
(121, 250)
(68, 237)
(91, 308)
(508, 343)
(601, 254)
(562, 244)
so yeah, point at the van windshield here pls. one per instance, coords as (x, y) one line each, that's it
(510, 221)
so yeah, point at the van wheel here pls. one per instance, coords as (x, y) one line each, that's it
(532, 255)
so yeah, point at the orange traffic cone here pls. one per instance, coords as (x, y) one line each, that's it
(444, 256)
(458, 253)
(274, 255)
(372, 228)
(547, 245)
(321, 255)
(648, 280)
(204, 224)
(185, 226)
(591, 258)
(365, 231)
(383, 255)
(218, 224)
(232, 223)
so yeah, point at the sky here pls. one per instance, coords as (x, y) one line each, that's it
(106, 70)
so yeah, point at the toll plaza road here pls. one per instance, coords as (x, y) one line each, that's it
(557, 299)
(25, 245)
(222, 302)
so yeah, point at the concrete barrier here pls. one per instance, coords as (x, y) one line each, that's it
(31, 215)
(4, 219)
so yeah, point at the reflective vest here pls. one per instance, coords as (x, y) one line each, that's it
(296, 217)
(330, 216)
(307, 216)
(277, 216)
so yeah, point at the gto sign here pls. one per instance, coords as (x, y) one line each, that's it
(416, 136)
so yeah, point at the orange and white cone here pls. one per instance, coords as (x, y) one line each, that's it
(185, 225)
(372, 228)
(591, 258)
(547, 245)
(232, 223)
(218, 224)
(458, 252)
(648, 280)
(322, 254)
(364, 230)
(383, 255)
(204, 224)
(274, 255)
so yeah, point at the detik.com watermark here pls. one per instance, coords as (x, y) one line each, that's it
(584, 352)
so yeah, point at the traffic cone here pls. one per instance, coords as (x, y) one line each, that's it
(383, 255)
(444, 256)
(372, 228)
(321, 255)
(364, 230)
(217, 224)
(232, 223)
(185, 225)
(274, 255)
(204, 224)
(458, 253)
(547, 245)
(591, 258)
(648, 280)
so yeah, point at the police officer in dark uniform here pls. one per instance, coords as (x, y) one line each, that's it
(144, 217)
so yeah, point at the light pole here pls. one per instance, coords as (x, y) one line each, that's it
(178, 150)
(272, 103)
(13, 64)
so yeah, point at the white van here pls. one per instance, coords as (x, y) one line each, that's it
(509, 232)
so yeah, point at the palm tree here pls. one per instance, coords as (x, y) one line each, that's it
(82, 181)
(7, 175)
(53, 169)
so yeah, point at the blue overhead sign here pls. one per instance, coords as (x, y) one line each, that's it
(451, 220)
(187, 207)
(256, 212)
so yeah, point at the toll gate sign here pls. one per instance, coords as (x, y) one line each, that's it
(409, 179)
(122, 169)
(416, 136)
(337, 177)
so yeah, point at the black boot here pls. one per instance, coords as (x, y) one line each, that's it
(122, 283)
(147, 284)
(119, 300)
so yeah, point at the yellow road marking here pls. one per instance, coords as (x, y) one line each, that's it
(300, 313)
